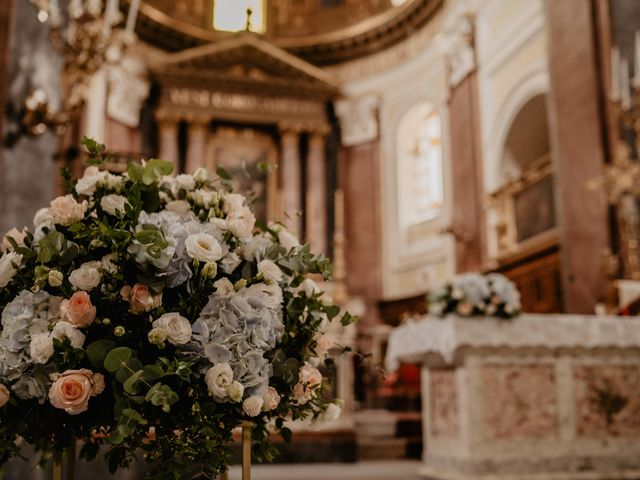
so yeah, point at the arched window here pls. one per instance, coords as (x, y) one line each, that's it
(231, 15)
(420, 160)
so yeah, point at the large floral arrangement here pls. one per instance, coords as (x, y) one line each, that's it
(476, 295)
(150, 312)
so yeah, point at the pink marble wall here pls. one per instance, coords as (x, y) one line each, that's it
(613, 388)
(444, 403)
(519, 401)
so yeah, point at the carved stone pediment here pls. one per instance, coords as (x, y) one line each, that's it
(245, 62)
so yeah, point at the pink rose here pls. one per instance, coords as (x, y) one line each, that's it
(310, 376)
(78, 310)
(72, 389)
(324, 344)
(141, 298)
(271, 399)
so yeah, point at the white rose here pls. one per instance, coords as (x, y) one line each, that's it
(230, 262)
(201, 175)
(271, 399)
(42, 218)
(89, 181)
(41, 348)
(9, 264)
(252, 406)
(62, 330)
(178, 206)
(177, 327)
(108, 263)
(270, 271)
(218, 379)
(204, 247)
(66, 211)
(287, 239)
(17, 235)
(4, 395)
(324, 344)
(330, 415)
(113, 204)
(235, 391)
(224, 287)
(87, 277)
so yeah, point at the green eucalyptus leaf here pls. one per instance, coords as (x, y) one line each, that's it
(131, 385)
(98, 350)
(116, 358)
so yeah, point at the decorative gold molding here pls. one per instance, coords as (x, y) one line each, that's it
(362, 38)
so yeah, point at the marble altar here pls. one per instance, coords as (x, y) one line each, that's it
(553, 397)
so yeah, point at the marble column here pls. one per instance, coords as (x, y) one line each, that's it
(578, 150)
(291, 179)
(168, 140)
(197, 145)
(316, 208)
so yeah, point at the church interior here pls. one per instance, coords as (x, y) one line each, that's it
(410, 141)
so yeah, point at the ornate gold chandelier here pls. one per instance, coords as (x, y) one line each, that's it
(85, 33)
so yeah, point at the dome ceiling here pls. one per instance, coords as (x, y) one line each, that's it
(320, 31)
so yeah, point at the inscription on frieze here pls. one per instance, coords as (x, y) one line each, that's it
(193, 98)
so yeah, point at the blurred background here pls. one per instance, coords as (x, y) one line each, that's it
(410, 140)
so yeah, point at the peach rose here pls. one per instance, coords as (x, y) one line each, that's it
(78, 310)
(72, 390)
(141, 298)
(4, 395)
(310, 376)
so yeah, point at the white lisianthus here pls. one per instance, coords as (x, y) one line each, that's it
(89, 181)
(178, 206)
(18, 236)
(270, 271)
(235, 391)
(66, 211)
(55, 278)
(309, 287)
(41, 348)
(203, 198)
(252, 406)
(224, 287)
(177, 327)
(241, 224)
(9, 264)
(4, 395)
(271, 399)
(185, 182)
(62, 330)
(218, 379)
(113, 204)
(201, 175)
(233, 203)
(204, 247)
(287, 239)
(230, 262)
(87, 277)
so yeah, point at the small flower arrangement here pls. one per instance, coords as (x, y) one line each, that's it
(476, 295)
(150, 312)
